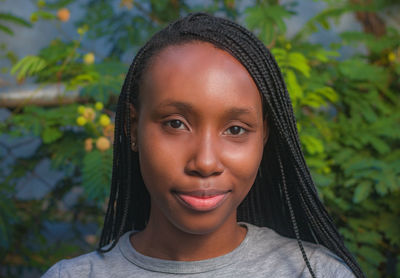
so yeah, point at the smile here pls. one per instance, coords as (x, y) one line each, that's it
(202, 200)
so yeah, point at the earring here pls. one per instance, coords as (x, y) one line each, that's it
(133, 146)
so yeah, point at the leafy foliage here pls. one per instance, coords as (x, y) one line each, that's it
(347, 110)
(10, 18)
(45, 123)
(96, 173)
(267, 20)
(28, 66)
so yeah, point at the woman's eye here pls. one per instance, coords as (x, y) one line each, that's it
(176, 124)
(235, 130)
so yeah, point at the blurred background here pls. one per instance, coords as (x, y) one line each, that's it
(62, 64)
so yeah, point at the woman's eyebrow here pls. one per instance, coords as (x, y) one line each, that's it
(182, 106)
(237, 111)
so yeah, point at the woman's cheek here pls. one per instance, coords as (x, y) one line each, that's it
(159, 152)
(243, 159)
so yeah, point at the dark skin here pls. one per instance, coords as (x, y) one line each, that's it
(200, 127)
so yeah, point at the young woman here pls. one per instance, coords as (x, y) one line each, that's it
(208, 177)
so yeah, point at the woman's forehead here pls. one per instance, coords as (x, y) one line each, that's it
(198, 71)
(197, 53)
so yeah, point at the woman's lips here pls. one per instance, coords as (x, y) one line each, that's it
(202, 200)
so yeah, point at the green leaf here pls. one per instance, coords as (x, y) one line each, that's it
(389, 225)
(44, 15)
(346, 233)
(380, 145)
(57, 4)
(312, 144)
(321, 18)
(362, 191)
(294, 89)
(15, 19)
(381, 188)
(50, 135)
(323, 54)
(372, 255)
(370, 269)
(376, 45)
(6, 30)
(299, 62)
(359, 70)
(343, 155)
(267, 20)
(28, 66)
(322, 179)
(96, 172)
(369, 237)
(328, 92)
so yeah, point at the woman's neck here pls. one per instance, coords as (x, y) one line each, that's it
(161, 239)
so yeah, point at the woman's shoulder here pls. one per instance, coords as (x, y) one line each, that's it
(284, 254)
(75, 267)
(85, 265)
(322, 260)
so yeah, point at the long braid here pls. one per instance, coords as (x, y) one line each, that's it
(293, 218)
(283, 166)
(108, 231)
(296, 157)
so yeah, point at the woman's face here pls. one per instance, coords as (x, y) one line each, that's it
(200, 133)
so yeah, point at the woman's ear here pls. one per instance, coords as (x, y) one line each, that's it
(133, 115)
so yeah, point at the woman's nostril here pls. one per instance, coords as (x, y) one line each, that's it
(204, 174)
(204, 168)
(205, 161)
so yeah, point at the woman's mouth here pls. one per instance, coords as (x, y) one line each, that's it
(202, 200)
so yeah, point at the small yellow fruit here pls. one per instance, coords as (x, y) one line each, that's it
(103, 144)
(108, 131)
(34, 17)
(99, 105)
(81, 121)
(326, 170)
(63, 14)
(88, 144)
(288, 46)
(89, 58)
(82, 30)
(391, 57)
(89, 113)
(41, 3)
(104, 120)
(81, 109)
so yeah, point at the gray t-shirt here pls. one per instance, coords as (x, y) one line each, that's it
(263, 253)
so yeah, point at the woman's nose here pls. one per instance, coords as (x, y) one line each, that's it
(205, 157)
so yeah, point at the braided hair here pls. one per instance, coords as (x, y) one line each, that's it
(283, 196)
